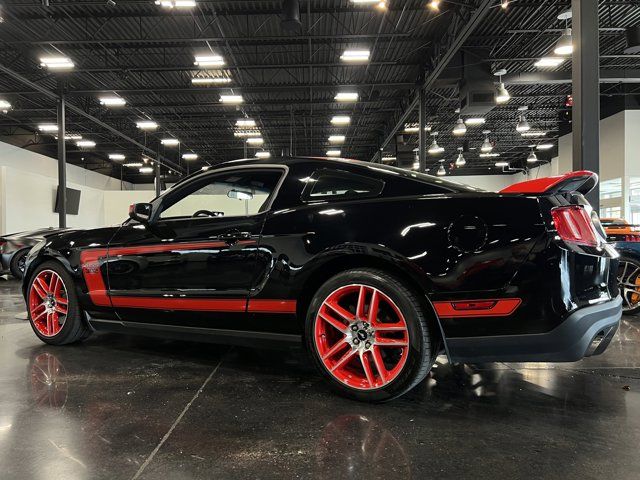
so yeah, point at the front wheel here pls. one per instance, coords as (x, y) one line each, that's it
(369, 336)
(52, 303)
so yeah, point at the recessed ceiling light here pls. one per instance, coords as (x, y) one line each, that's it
(113, 101)
(263, 154)
(190, 156)
(246, 122)
(86, 143)
(233, 99)
(209, 60)
(347, 97)
(48, 127)
(341, 120)
(337, 139)
(57, 63)
(147, 125)
(333, 153)
(170, 142)
(210, 80)
(118, 157)
(546, 62)
(355, 55)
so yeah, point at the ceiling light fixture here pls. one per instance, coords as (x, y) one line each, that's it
(523, 124)
(246, 122)
(190, 156)
(263, 154)
(435, 149)
(133, 164)
(5, 106)
(460, 128)
(341, 120)
(441, 170)
(176, 3)
(534, 133)
(113, 101)
(564, 46)
(346, 97)
(489, 155)
(209, 60)
(460, 161)
(118, 157)
(545, 146)
(487, 146)
(532, 157)
(355, 55)
(48, 127)
(411, 128)
(434, 5)
(170, 142)
(546, 62)
(255, 141)
(502, 164)
(232, 99)
(146, 125)
(337, 139)
(85, 144)
(57, 63)
(146, 170)
(210, 80)
(502, 94)
(472, 121)
(333, 153)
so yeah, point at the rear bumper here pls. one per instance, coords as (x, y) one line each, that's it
(587, 331)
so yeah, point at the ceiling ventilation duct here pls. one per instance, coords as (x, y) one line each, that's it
(291, 15)
(633, 40)
(477, 88)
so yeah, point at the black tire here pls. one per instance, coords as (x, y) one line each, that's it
(17, 265)
(630, 300)
(422, 338)
(74, 329)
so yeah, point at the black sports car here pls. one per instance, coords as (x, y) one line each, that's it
(378, 269)
(14, 248)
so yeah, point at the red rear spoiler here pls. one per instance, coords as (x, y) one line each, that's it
(582, 181)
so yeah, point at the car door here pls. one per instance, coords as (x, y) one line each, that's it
(195, 263)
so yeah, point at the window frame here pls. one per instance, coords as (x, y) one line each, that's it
(207, 178)
(305, 196)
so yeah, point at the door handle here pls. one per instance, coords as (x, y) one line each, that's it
(234, 236)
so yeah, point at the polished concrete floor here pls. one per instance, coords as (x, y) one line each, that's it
(121, 407)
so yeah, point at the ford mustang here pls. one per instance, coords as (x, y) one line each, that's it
(377, 270)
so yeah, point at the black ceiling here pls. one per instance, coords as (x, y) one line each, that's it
(288, 79)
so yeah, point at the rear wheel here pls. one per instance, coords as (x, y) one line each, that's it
(18, 263)
(369, 336)
(629, 283)
(54, 313)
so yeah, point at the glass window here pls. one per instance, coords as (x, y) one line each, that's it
(230, 194)
(338, 185)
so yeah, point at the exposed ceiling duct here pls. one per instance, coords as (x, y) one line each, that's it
(477, 88)
(291, 15)
(633, 40)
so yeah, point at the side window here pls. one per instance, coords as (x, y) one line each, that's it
(340, 185)
(229, 194)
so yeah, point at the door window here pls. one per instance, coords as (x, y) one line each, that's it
(229, 194)
(338, 185)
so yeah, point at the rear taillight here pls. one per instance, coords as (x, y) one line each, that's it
(574, 225)
(632, 238)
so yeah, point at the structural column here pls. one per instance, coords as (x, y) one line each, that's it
(586, 90)
(158, 181)
(62, 162)
(422, 135)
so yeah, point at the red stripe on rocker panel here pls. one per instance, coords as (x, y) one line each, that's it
(188, 304)
(272, 306)
(477, 308)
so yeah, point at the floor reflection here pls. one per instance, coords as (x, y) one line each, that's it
(49, 385)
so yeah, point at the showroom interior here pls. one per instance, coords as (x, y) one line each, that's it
(107, 104)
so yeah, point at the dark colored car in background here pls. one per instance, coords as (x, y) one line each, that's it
(14, 248)
(626, 239)
(377, 269)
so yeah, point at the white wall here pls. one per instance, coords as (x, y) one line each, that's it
(116, 204)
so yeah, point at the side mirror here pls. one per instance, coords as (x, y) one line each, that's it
(141, 212)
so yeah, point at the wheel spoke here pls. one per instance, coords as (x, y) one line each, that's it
(362, 295)
(53, 284)
(62, 310)
(49, 323)
(377, 360)
(344, 359)
(374, 307)
(346, 315)
(333, 322)
(391, 342)
(38, 316)
(390, 327)
(39, 291)
(366, 366)
(335, 349)
(42, 284)
(62, 300)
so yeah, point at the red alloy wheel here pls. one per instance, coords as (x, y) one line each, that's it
(361, 337)
(48, 303)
